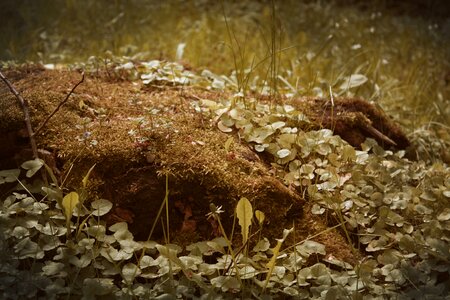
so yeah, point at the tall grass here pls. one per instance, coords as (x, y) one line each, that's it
(404, 57)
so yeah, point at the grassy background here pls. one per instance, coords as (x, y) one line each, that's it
(402, 48)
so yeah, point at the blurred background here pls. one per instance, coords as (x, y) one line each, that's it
(400, 47)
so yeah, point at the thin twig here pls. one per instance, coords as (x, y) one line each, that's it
(26, 113)
(59, 106)
(372, 130)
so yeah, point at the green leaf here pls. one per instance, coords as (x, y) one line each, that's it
(334, 261)
(32, 166)
(26, 248)
(97, 231)
(97, 287)
(261, 148)
(291, 291)
(317, 209)
(262, 246)
(352, 81)
(223, 128)
(121, 226)
(101, 207)
(81, 262)
(348, 153)
(278, 125)
(445, 215)
(247, 272)
(9, 175)
(309, 247)
(244, 213)
(147, 261)
(226, 283)
(260, 134)
(228, 144)
(283, 153)
(20, 232)
(112, 254)
(53, 268)
(122, 234)
(389, 256)
(54, 194)
(130, 271)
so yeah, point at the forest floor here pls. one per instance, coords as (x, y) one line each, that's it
(216, 150)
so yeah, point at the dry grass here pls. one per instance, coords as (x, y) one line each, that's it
(403, 55)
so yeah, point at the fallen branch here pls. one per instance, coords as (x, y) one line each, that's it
(372, 130)
(26, 112)
(59, 106)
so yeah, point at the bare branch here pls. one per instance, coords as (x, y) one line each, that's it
(26, 113)
(59, 106)
(372, 130)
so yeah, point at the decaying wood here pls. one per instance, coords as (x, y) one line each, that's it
(355, 120)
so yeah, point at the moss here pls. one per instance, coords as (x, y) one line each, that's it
(137, 136)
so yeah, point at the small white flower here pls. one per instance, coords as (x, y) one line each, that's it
(215, 211)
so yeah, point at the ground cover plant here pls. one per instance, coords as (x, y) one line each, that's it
(159, 179)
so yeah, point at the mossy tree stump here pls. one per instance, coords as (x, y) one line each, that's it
(137, 136)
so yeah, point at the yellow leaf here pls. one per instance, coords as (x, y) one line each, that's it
(81, 104)
(260, 216)
(86, 178)
(228, 144)
(271, 264)
(244, 213)
(69, 202)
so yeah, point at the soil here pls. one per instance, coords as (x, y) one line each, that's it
(133, 157)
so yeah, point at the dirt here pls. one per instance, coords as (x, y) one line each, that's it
(133, 158)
